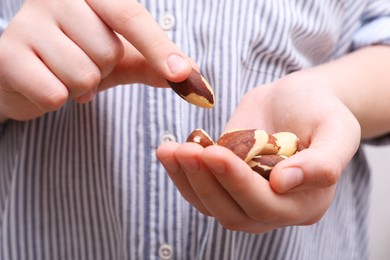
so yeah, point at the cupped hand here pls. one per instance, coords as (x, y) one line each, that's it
(301, 188)
(53, 51)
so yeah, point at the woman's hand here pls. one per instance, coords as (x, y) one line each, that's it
(53, 51)
(301, 188)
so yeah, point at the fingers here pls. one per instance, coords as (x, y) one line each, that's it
(141, 70)
(207, 188)
(130, 18)
(78, 51)
(75, 69)
(260, 204)
(321, 164)
(219, 184)
(46, 58)
(166, 153)
(199, 187)
(74, 58)
(91, 48)
(47, 93)
(91, 35)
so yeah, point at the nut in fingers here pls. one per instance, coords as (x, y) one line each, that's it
(195, 90)
(246, 144)
(200, 136)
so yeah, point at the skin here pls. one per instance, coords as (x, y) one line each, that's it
(330, 107)
(47, 59)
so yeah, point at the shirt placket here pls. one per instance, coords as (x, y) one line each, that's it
(164, 231)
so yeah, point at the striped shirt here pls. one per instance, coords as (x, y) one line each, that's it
(84, 182)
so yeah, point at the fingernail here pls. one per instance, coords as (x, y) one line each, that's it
(176, 63)
(291, 177)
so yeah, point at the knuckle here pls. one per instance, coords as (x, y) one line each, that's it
(328, 177)
(112, 53)
(331, 179)
(53, 101)
(87, 81)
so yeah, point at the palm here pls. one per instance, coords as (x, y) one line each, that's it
(215, 181)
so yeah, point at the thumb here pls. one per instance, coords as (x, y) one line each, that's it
(320, 165)
(308, 169)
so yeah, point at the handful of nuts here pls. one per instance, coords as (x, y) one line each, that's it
(260, 150)
(257, 148)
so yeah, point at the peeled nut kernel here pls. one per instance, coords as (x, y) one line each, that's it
(271, 147)
(288, 143)
(263, 164)
(200, 136)
(195, 90)
(246, 144)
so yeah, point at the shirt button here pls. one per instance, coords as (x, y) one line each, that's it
(167, 22)
(165, 252)
(167, 137)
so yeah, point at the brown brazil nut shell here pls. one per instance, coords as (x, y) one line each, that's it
(258, 149)
(200, 136)
(263, 164)
(246, 144)
(195, 90)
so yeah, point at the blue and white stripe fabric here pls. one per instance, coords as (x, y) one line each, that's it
(3, 24)
(7, 11)
(84, 182)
